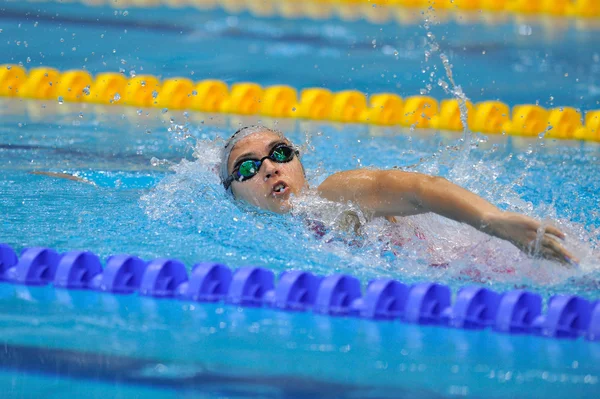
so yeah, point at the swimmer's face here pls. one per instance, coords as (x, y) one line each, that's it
(274, 183)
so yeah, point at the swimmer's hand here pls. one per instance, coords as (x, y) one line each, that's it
(529, 235)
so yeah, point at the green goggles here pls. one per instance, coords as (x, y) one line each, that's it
(248, 168)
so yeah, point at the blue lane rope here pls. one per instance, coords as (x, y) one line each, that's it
(513, 312)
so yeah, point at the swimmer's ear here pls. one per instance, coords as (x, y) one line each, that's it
(61, 176)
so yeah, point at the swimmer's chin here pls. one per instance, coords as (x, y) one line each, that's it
(284, 205)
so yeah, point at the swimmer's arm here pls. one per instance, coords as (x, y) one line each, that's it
(65, 176)
(396, 193)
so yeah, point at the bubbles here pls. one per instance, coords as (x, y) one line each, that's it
(524, 30)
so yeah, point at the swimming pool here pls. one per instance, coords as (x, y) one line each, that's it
(155, 195)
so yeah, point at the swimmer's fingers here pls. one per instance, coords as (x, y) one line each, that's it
(552, 249)
(555, 232)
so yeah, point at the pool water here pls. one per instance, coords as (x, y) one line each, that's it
(154, 193)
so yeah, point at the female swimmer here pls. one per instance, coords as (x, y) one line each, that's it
(262, 167)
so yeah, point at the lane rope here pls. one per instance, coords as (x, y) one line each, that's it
(379, 11)
(428, 303)
(282, 101)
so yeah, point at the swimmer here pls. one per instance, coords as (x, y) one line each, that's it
(262, 167)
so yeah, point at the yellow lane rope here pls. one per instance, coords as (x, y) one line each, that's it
(377, 11)
(281, 101)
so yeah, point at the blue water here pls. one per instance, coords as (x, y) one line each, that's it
(155, 194)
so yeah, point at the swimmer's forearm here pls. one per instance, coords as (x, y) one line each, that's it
(438, 195)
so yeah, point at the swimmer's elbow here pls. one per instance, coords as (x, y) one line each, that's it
(427, 187)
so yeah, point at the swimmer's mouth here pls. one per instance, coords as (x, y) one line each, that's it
(280, 189)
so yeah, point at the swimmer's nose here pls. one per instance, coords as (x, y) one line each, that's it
(271, 168)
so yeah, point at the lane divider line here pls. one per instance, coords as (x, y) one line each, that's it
(282, 101)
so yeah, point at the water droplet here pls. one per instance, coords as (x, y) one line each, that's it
(125, 13)
(60, 100)
(524, 30)
(86, 90)
(81, 114)
(154, 94)
(28, 60)
(164, 110)
(139, 112)
(62, 40)
(293, 109)
(117, 97)
(143, 83)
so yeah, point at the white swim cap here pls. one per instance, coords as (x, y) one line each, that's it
(233, 140)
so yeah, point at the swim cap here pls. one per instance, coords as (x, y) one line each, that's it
(233, 140)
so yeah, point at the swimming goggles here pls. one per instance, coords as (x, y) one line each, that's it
(248, 168)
